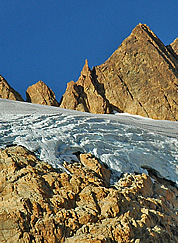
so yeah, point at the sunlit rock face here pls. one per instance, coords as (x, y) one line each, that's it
(40, 93)
(7, 92)
(41, 204)
(139, 78)
(84, 95)
(173, 47)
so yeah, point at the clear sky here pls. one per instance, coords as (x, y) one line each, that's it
(49, 40)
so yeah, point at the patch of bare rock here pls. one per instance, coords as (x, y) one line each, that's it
(7, 92)
(139, 78)
(173, 47)
(41, 204)
(40, 93)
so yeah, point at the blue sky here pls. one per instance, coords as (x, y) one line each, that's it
(49, 40)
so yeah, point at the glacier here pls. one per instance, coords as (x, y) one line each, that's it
(124, 142)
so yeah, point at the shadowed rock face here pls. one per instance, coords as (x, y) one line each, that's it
(7, 92)
(173, 47)
(41, 204)
(139, 78)
(40, 93)
(84, 95)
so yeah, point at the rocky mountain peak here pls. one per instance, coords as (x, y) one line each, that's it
(85, 94)
(86, 70)
(141, 29)
(139, 78)
(40, 93)
(7, 92)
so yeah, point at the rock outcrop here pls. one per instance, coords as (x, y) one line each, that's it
(173, 47)
(40, 93)
(7, 92)
(41, 204)
(84, 95)
(139, 78)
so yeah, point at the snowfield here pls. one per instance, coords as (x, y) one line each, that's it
(126, 143)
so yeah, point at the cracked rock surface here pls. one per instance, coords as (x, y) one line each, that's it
(41, 204)
(139, 78)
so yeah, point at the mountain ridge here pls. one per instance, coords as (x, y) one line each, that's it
(70, 176)
(140, 78)
(123, 81)
(7, 92)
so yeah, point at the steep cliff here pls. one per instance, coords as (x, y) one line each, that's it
(139, 78)
(41, 204)
(84, 95)
(7, 92)
(40, 93)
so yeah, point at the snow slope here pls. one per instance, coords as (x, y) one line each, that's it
(126, 143)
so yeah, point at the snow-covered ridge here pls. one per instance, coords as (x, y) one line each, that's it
(124, 142)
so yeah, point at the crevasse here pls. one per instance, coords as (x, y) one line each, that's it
(124, 142)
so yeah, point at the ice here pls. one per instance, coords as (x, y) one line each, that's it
(124, 142)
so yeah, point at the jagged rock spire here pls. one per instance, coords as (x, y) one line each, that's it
(40, 93)
(139, 78)
(85, 69)
(7, 92)
(84, 94)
